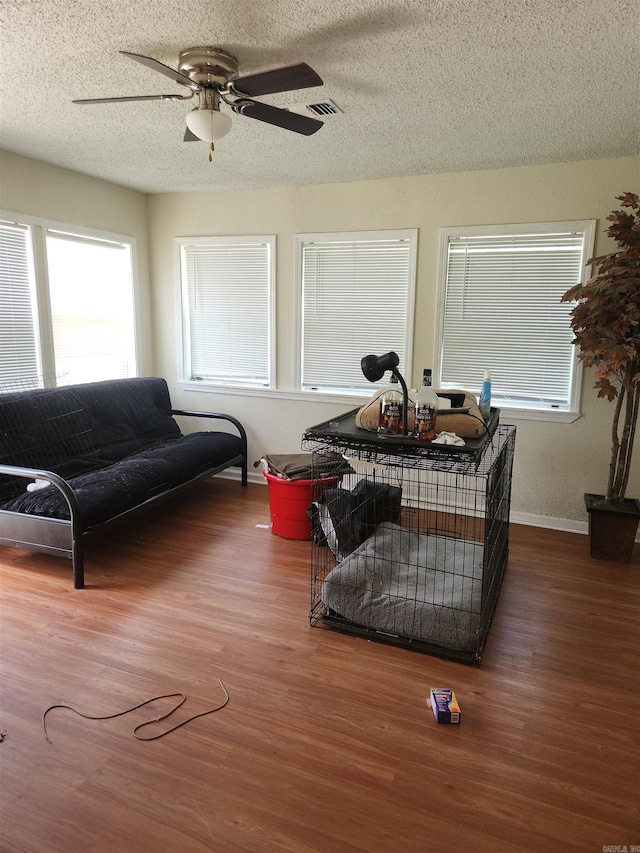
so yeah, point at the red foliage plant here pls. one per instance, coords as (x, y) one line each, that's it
(606, 323)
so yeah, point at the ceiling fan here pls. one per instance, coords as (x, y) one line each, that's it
(212, 74)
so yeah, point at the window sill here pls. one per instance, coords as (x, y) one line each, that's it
(279, 393)
(507, 413)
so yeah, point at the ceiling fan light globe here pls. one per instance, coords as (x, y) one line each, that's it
(209, 125)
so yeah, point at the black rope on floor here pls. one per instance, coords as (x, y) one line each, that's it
(183, 699)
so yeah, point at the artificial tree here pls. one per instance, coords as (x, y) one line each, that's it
(606, 325)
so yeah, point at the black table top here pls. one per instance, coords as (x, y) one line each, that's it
(342, 430)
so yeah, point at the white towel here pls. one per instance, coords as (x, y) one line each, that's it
(38, 484)
(449, 438)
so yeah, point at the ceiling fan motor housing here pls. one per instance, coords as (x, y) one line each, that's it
(208, 66)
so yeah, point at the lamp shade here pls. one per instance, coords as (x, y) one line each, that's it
(375, 366)
(208, 125)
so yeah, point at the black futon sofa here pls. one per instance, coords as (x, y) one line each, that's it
(77, 458)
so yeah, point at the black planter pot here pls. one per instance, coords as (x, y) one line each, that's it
(612, 528)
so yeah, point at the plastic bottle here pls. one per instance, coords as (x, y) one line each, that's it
(391, 406)
(426, 410)
(485, 396)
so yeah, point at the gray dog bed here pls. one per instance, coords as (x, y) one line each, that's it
(413, 585)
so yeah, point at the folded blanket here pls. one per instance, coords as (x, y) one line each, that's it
(304, 466)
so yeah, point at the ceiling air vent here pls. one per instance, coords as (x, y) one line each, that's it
(322, 108)
(326, 108)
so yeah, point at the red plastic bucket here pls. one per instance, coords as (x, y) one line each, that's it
(289, 501)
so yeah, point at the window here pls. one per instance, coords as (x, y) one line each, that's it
(357, 294)
(91, 297)
(19, 356)
(66, 305)
(228, 309)
(499, 308)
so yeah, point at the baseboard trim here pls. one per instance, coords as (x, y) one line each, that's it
(566, 525)
(233, 474)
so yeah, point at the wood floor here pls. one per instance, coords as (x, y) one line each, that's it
(327, 744)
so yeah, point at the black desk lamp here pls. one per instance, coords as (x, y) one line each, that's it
(375, 366)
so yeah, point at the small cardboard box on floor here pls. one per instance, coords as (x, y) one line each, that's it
(445, 705)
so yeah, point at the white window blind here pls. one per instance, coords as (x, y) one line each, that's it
(502, 311)
(19, 360)
(227, 310)
(357, 299)
(92, 309)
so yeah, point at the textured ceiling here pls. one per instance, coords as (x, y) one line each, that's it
(424, 86)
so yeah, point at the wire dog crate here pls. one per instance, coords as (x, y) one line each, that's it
(411, 549)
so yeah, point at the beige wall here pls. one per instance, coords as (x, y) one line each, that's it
(555, 463)
(38, 189)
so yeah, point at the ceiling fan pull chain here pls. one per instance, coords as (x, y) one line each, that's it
(212, 149)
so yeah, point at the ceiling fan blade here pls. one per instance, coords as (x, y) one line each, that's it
(299, 76)
(131, 98)
(190, 137)
(281, 118)
(156, 65)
